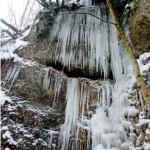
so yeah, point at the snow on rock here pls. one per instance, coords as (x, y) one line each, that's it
(125, 146)
(4, 97)
(10, 140)
(144, 62)
(146, 146)
(144, 121)
(131, 111)
(9, 49)
(4, 128)
(99, 124)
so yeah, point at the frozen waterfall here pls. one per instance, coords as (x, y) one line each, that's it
(95, 110)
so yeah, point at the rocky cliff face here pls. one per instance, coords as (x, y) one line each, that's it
(40, 91)
(139, 27)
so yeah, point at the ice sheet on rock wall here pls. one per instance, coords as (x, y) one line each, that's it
(120, 61)
(99, 124)
(108, 125)
(100, 147)
(120, 98)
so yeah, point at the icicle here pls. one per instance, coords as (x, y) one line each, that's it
(53, 81)
(57, 89)
(77, 136)
(84, 96)
(68, 129)
(47, 79)
(12, 74)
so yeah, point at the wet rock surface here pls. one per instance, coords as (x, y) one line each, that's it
(139, 27)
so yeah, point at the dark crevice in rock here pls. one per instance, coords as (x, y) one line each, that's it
(79, 72)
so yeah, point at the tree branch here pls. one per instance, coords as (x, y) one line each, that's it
(9, 25)
(13, 36)
(78, 13)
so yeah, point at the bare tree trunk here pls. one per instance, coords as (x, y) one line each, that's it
(130, 49)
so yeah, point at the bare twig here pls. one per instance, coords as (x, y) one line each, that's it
(83, 13)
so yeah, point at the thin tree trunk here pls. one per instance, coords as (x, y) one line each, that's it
(130, 49)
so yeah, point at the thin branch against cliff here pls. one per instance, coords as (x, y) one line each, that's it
(130, 49)
(83, 13)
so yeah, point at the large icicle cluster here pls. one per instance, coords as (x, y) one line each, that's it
(85, 41)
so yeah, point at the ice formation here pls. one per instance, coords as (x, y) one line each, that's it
(89, 42)
(68, 129)
(94, 44)
(53, 80)
(12, 75)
